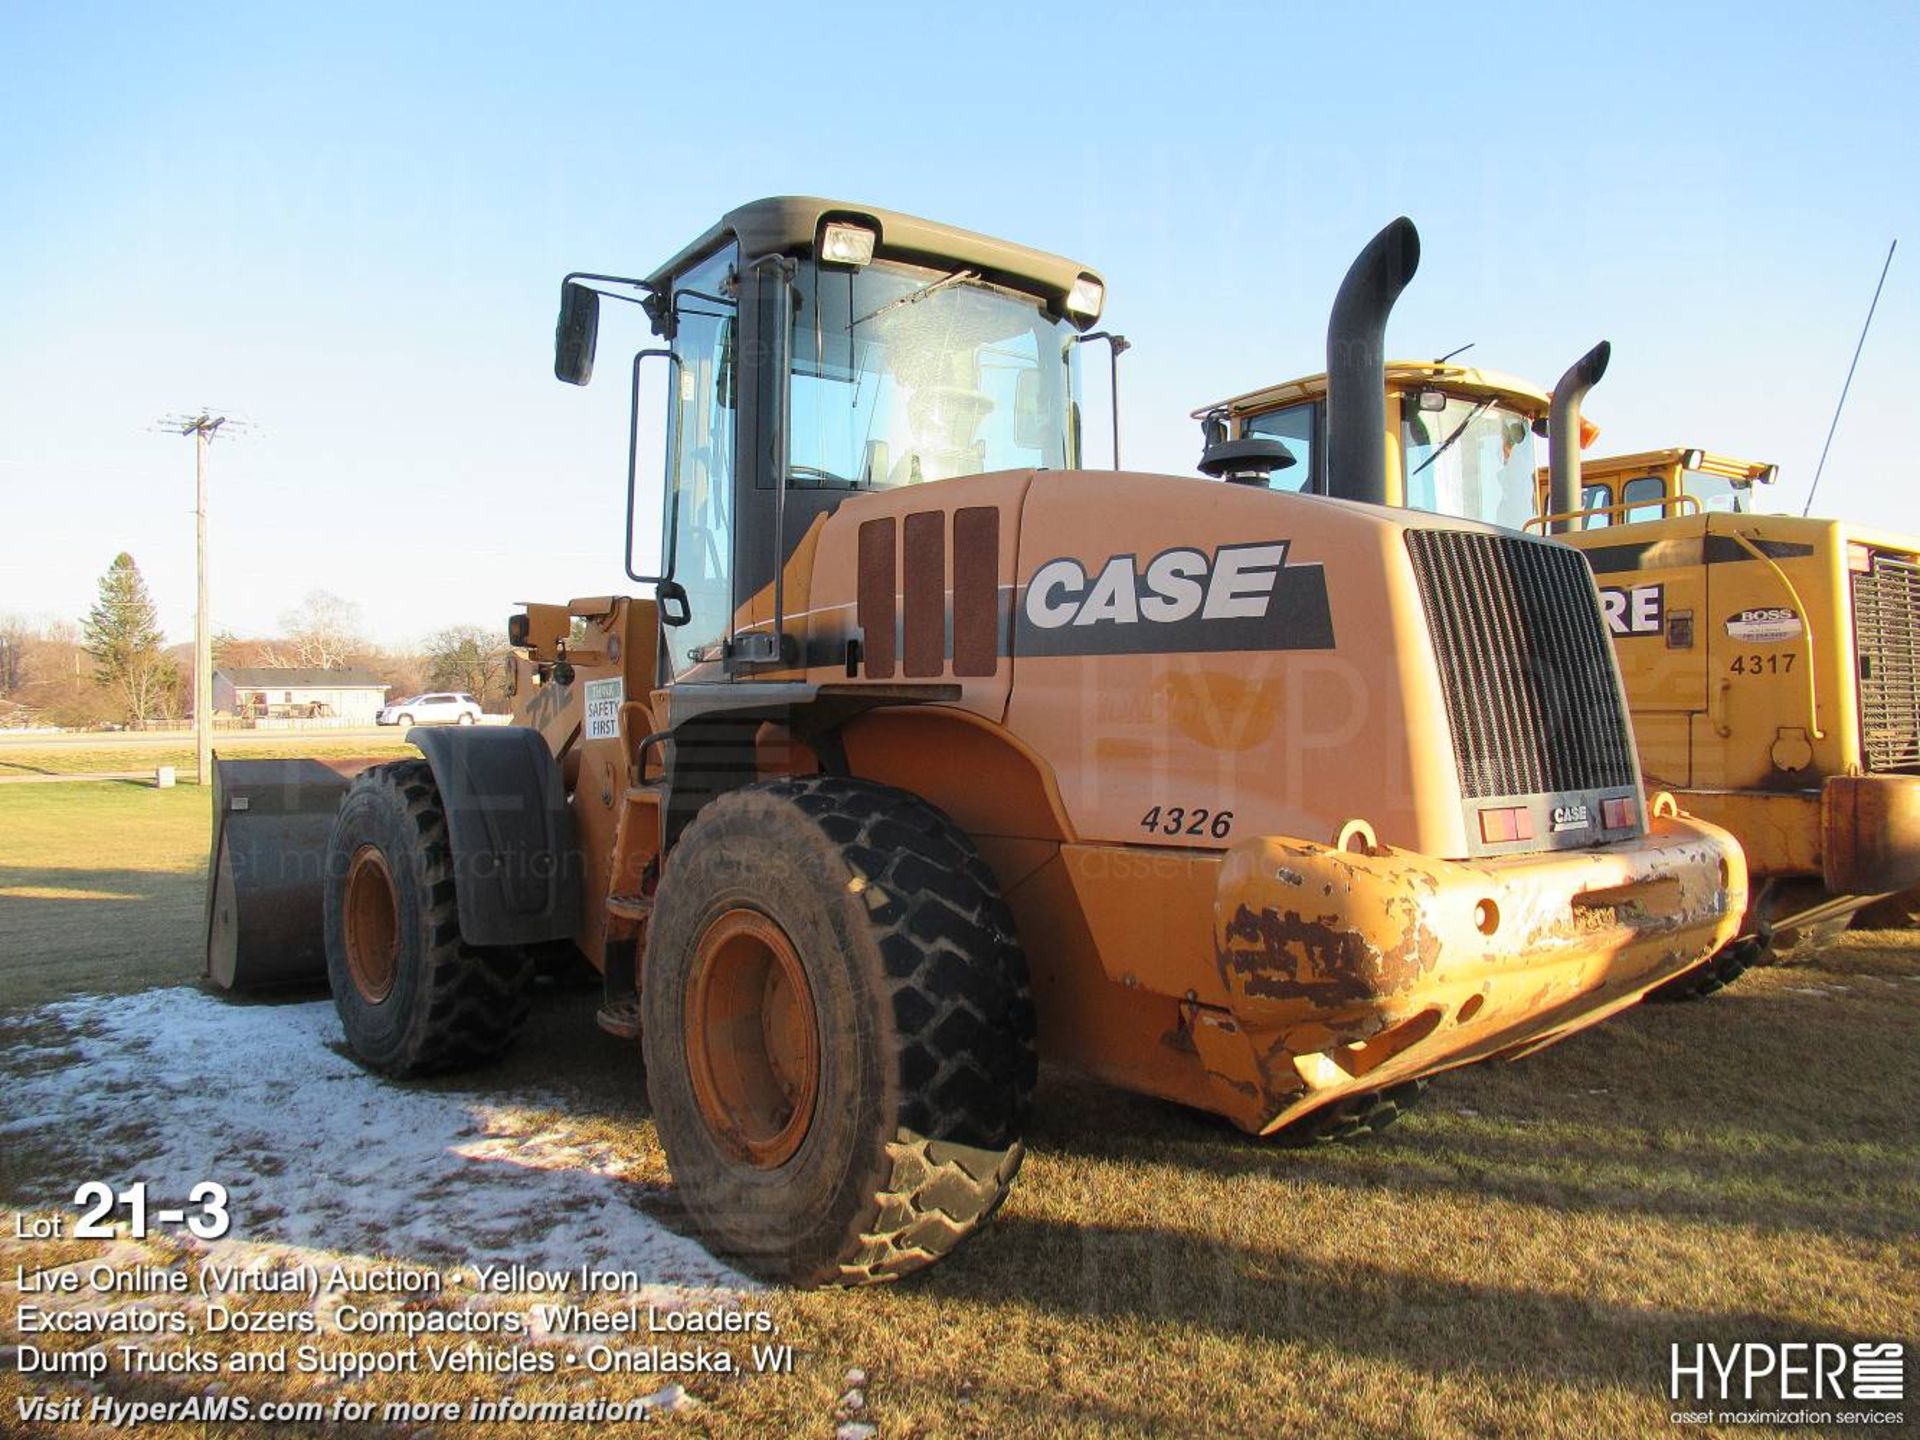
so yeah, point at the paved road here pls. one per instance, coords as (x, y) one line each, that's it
(174, 739)
(143, 775)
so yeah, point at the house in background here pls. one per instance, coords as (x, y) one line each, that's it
(266, 692)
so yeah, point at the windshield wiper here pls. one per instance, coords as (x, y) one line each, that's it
(1447, 444)
(956, 278)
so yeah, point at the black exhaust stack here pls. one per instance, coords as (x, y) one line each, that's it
(1357, 363)
(1563, 434)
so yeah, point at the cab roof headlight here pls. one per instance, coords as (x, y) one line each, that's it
(1691, 460)
(1086, 298)
(842, 243)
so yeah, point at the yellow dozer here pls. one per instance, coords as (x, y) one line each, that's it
(1772, 663)
(930, 753)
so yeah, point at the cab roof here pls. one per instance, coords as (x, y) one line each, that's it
(1401, 375)
(786, 224)
(1755, 472)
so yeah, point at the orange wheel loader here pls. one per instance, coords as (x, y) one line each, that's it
(931, 753)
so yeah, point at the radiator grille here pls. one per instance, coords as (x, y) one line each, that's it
(1531, 692)
(1886, 634)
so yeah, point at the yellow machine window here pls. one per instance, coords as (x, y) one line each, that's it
(1717, 492)
(1644, 495)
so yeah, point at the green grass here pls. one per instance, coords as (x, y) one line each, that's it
(111, 759)
(102, 888)
(1513, 1259)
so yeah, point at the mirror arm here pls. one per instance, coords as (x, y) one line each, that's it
(579, 275)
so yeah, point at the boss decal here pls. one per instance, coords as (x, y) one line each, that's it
(1241, 597)
(1639, 610)
(1767, 625)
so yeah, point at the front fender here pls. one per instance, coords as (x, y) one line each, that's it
(517, 871)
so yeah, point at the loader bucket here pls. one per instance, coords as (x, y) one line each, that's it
(271, 819)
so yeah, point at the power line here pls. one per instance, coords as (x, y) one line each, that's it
(1807, 509)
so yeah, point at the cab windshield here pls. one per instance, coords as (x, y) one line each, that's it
(903, 375)
(1471, 458)
(1717, 493)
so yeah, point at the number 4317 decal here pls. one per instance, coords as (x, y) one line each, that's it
(1178, 820)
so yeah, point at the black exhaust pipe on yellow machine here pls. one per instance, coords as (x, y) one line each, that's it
(1357, 363)
(1563, 436)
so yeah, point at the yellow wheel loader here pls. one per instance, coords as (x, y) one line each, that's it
(932, 753)
(1772, 663)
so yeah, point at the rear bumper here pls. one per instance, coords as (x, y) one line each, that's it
(1351, 972)
(1870, 833)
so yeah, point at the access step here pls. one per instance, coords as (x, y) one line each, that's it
(620, 1017)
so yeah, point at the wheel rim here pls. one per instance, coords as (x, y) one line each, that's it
(753, 1039)
(372, 925)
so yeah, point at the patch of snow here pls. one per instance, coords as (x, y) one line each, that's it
(176, 1086)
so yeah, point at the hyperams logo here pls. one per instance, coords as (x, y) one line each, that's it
(1794, 1382)
(1242, 597)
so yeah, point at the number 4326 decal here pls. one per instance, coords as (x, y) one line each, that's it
(1179, 820)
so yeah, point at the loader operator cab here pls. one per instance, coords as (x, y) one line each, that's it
(815, 352)
(1656, 484)
(1461, 441)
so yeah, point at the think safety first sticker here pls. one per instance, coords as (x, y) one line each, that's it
(604, 698)
(1762, 626)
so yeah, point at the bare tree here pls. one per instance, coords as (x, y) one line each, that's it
(323, 634)
(469, 658)
(15, 636)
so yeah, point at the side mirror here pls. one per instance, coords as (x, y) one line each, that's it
(1029, 421)
(575, 335)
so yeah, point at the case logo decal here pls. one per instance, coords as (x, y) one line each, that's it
(1241, 597)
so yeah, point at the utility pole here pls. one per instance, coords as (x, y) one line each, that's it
(202, 427)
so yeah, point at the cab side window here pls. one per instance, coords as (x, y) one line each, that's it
(1643, 495)
(1594, 499)
(1298, 428)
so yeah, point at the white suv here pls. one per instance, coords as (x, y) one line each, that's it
(442, 707)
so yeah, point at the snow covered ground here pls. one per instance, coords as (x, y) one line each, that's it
(175, 1086)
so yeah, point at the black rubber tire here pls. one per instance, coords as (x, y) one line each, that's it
(925, 1018)
(1721, 969)
(405, 719)
(1354, 1118)
(452, 1005)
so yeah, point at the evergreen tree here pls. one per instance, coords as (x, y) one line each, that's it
(123, 636)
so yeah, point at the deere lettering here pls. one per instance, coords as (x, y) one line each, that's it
(1640, 610)
(1241, 597)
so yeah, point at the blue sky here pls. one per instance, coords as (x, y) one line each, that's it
(347, 225)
